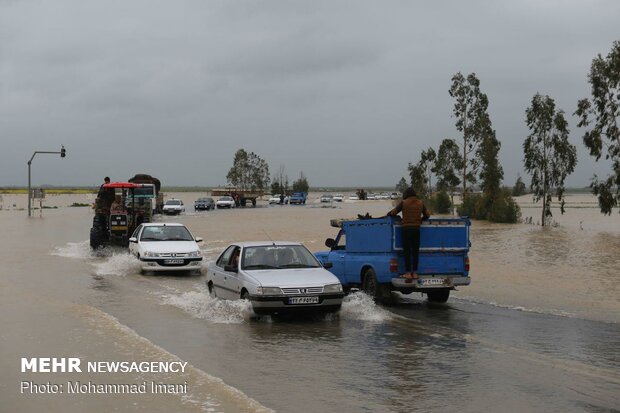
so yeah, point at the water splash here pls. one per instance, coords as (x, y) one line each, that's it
(359, 306)
(119, 264)
(200, 304)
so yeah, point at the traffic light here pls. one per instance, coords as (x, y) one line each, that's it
(63, 152)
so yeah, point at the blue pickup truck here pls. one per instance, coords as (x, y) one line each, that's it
(367, 254)
(298, 198)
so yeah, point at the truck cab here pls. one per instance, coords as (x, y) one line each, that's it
(367, 254)
(298, 198)
(146, 197)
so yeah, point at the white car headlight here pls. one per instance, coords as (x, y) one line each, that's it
(195, 254)
(333, 288)
(151, 254)
(268, 290)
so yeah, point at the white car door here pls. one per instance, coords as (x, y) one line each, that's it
(234, 277)
(133, 246)
(219, 276)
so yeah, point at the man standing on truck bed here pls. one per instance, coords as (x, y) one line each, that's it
(414, 211)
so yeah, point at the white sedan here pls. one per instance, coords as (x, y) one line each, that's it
(278, 199)
(173, 207)
(225, 202)
(276, 276)
(166, 247)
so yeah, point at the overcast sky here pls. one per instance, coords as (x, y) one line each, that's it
(349, 92)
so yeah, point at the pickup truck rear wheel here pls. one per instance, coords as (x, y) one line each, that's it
(370, 283)
(380, 293)
(439, 296)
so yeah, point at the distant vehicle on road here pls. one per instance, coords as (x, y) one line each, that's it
(277, 199)
(395, 195)
(165, 247)
(298, 198)
(225, 202)
(158, 196)
(204, 204)
(354, 197)
(173, 207)
(327, 198)
(241, 196)
(276, 277)
(338, 198)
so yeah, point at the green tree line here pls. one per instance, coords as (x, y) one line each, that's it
(548, 156)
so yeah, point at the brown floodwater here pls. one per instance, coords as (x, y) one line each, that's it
(536, 331)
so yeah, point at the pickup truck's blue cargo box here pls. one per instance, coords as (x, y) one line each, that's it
(384, 235)
(367, 254)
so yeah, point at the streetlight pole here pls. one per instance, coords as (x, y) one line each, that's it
(62, 153)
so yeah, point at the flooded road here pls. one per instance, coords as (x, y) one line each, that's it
(538, 329)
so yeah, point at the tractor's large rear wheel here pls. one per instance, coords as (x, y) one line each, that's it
(99, 232)
(97, 238)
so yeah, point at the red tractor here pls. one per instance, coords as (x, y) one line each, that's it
(119, 208)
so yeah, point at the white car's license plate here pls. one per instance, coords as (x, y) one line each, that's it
(433, 281)
(173, 261)
(303, 300)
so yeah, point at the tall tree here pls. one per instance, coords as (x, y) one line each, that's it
(603, 111)
(470, 110)
(280, 182)
(275, 188)
(418, 179)
(301, 185)
(427, 161)
(402, 185)
(491, 172)
(447, 165)
(421, 173)
(519, 188)
(549, 157)
(249, 171)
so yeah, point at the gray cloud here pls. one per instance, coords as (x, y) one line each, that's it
(347, 91)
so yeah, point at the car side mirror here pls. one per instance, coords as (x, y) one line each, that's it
(231, 268)
(330, 243)
(198, 239)
(327, 265)
(133, 239)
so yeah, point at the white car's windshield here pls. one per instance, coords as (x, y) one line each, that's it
(226, 198)
(166, 233)
(277, 257)
(173, 202)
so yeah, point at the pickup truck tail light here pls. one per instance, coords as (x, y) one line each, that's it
(393, 265)
(467, 264)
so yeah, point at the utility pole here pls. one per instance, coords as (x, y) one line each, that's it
(62, 153)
